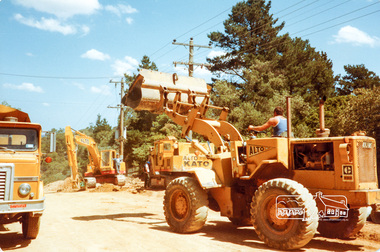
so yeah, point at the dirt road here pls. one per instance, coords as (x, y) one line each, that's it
(134, 221)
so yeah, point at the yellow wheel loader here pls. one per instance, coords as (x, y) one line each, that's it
(287, 188)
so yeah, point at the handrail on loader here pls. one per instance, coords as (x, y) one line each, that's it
(186, 101)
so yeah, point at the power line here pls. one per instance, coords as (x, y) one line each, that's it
(325, 10)
(368, 14)
(192, 29)
(55, 77)
(332, 19)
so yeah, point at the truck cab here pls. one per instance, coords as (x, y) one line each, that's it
(21, 189)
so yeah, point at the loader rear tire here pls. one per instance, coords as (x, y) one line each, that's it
(284, 231)
(185, 205)
(344, 228)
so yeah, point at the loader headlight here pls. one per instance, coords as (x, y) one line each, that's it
(24, 189)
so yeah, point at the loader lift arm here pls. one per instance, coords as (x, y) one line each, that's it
(186, 101)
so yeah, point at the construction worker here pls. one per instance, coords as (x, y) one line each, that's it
(147, 174)
(278, 122)
(117, 163)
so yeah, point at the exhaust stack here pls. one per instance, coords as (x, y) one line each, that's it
(322, 131)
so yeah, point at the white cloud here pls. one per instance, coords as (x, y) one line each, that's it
(120, 9)
(62, 8)
(199, 72)
(128, 65)
(85, 29)
(25, 87)
(95, 55)
(46, 104)
(129, 20)
(214, 54)
(127, 9)
(104, 90)
(352, 35)
(47, 24)
(79, 85)
(29, 54)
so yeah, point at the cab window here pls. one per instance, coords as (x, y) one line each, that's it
(18, 139)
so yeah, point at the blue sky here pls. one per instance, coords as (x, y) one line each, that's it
(58, 56)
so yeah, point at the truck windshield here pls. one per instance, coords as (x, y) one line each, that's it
(18, 139)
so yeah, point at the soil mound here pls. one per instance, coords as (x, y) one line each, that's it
(134, 185)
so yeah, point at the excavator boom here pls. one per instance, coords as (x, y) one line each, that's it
(102, 166)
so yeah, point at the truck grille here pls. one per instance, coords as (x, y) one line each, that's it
(6, 181)
(2, 184)
(366, 161)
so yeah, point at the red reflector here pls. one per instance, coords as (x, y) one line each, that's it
(17, 206)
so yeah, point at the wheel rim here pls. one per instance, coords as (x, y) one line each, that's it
(179, 205)
(278, 225)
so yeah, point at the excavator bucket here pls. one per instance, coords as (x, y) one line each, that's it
(147, 90)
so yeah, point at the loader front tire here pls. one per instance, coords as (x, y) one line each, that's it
(185, 205)
(295, 225)
(344, 228)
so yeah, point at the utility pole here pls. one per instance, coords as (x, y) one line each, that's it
(121, 138)
(191, 63)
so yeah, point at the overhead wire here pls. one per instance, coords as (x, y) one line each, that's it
(323, 11)
(55, 77)
(332, 19)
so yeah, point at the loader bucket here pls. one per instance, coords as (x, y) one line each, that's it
(146, 92)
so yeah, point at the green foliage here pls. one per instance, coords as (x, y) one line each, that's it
(362, 113)
(147, 64)
(266, 63)
(308, 73)
(358, 76)
(250, 33)
(102, 133)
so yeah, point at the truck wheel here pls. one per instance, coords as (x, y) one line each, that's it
(295, 225)
(185, 205)
(30, 226)
(344, 228)
(375, 216)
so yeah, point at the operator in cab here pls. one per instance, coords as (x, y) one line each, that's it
(278, 122)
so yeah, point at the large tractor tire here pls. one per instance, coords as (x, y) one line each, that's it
(278, 231)
(30, 226)
(344, 228)
(185, 205)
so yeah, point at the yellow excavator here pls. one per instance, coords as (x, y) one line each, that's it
(104, 166)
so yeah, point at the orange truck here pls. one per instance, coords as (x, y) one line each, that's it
(21, 189)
